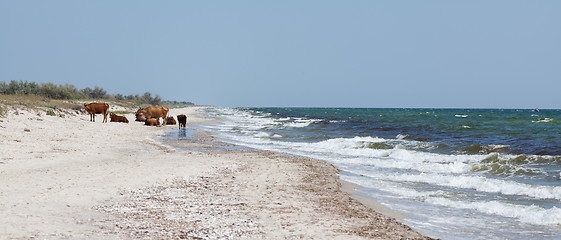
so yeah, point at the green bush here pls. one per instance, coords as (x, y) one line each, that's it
(67, 91)
(50, 112)
(48, 90)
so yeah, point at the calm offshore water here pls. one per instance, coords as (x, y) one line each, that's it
(456, 173)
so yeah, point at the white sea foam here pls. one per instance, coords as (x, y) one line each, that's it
(276, 135)
(478, 183)
(528, 214)
(461, 116)
(337, 121)
(402, 136)
(353, 151)
(261, 135)
(300, 123)
(497, 146)
(356, 150)
(544, 120)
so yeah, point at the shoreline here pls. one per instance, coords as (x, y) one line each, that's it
(350, 188)
(71, 178)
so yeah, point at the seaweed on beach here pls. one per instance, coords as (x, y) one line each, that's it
(182, 209)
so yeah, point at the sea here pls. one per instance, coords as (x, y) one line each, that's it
(454, 173)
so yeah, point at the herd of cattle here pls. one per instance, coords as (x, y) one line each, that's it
(150, 115)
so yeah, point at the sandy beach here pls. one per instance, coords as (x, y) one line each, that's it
(64, 177)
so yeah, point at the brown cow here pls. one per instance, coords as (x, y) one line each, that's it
(170, 120)
(140, 115)
(152, 122)
(116, 118)
(152, 112)
(182, 119)
(97, 108)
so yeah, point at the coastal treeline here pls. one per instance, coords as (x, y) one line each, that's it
(69, 92)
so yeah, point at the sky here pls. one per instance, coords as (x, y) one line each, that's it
(434, 54)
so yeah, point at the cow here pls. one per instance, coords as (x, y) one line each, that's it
(140, 115)
(152, 112)
(116, 118)
(170, 120)
(182, 119)
(97, 108)
(152, 122)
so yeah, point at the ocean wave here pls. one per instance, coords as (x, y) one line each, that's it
(485, 149)
(400, 153)
(376, 152)
(479, 183)
(528, 214)
(402, 137)
(300, 122)
(475, 158)
(433, 168)
(262, 135)
(502, 164)
(525, 213)
(383, 153)
(543, 120)
(337, 121)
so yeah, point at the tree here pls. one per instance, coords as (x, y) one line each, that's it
(87, 92)
(119, 96)
(99, 93)
(156, 100)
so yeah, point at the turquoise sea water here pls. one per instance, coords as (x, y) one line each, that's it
(456, 173)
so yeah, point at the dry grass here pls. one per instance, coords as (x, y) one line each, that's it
(35, 102)
(38, 103)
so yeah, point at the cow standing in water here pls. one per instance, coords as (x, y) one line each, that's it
(97, 108)
(182, 120)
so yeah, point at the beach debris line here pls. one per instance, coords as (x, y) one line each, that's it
(184, 208)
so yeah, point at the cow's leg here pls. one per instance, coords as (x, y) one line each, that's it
(105, 117)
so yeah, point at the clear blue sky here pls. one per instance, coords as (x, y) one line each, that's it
(483, 54)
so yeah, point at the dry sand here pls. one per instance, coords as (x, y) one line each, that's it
(64, 177)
